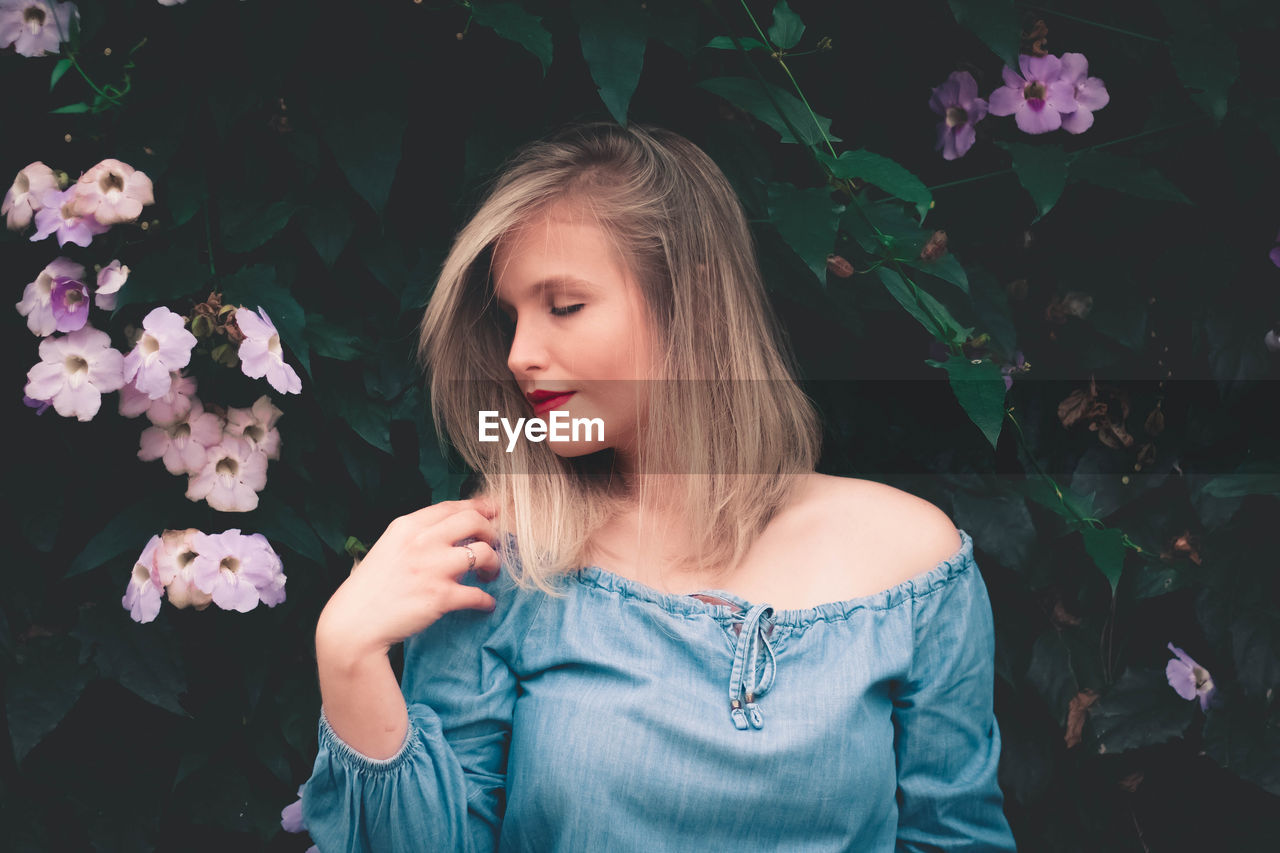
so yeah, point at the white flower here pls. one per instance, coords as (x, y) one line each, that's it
(165, 346)
(36, 305)
(233, 474)
(175, 564)
(113, 192)
(35, 27)
(183, 445)
(142, 598)
(257, 426)
(110, 279)
(261, 354)
(75, 371)
(234, 568)
(23, 198)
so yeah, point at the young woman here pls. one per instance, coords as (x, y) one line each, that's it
(669, 633)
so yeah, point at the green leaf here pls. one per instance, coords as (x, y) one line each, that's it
(367, 145)
(806, 219)
(787, 27)
(165, 276)
(1070, 505)
(278, 522)
(946, 268)
(186, 192)
(328, 226)
(726, 43)
(1042, 171)
(1140, 709)
(245, 227)
(513, 23)
(980, 390)
(1051, 674)
(60, 68)
(994, 22)
(256, 287)
(884, 173)
(127, 532)
(1125, 174)
(1242, 734)
(329, 520)
(444, 483)
(331, 340)
(389, 371)
(1203, 55)
(369, 418)
(41, 689)
(613, 37)
(143, 658)
(1240, 485)
(750, 95)
(81, 107)
(950, 331)
(1107, 549)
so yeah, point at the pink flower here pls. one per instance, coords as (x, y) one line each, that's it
(36, 304)
(165, 347)
(233, 474)
(75, 371)
(182, 445)
(1090, 93)
(958, 102)
(113, 192)
(261, 353)
(142, 598)
(23, 198)
(162, 411)
(35, 27)
(110, 279)
(1038, 98)
(257, 426)
(175, 565)
(57, 214)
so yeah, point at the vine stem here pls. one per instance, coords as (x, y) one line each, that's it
(1093, 23)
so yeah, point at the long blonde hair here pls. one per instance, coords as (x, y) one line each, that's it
(733, 417)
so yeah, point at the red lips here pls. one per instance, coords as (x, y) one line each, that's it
(545, 401)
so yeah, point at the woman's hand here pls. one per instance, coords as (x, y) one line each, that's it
(409, 578)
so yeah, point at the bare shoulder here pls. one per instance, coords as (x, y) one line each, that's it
(897, 534)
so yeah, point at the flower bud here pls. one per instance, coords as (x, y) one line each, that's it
(839, 267)
(935, 248)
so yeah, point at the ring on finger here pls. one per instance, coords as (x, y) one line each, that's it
(471, 556)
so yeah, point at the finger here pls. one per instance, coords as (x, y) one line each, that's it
(463, 597)
(466, 524)
(435, 512)
(486, 562)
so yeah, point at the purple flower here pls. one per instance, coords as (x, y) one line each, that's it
(1038, 98)
(58, 215)
(238, 571)
(291, 815)
(70, 302)
(957, 101)
(35, 27)
(74, 372)
(1090, 93)
(1275, 252)
(36, 303)
(38, 405)
(1019, 365)
(1189, 678)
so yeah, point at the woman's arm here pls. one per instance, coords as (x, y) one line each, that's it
(360, 696)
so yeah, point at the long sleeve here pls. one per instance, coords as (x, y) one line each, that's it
(443, 790)
(946, 738)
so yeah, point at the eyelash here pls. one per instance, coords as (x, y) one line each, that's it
(566, 310)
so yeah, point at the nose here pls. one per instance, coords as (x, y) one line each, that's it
(528, 353)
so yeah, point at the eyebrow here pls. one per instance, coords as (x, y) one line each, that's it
(546, 284)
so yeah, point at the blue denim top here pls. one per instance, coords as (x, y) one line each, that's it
(621, 718)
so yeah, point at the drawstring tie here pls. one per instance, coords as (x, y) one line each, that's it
(746, 684)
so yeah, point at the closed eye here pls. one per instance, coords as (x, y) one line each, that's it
(566, 310)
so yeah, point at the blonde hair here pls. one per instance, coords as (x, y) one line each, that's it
(733, 418)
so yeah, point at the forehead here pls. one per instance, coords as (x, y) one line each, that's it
(555, 251)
